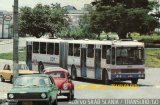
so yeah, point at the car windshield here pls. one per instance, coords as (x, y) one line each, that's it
(32, 81)
(57, 74)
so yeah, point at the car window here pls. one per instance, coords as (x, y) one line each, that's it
(57, 74)
(32, 81)
(7, 67)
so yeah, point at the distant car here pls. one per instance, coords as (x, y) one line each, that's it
(7, 72)
(63, 81)
(35, 89)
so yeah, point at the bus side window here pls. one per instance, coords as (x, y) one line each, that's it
(77, 50)
(108, 53)
(70, 50)
(104, 51)
(113, 56)
(50, 48)
(42, 48)
(90, 51)
(35, 47)
(56, 49)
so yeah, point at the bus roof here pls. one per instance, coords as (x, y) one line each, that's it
(128, 43)
(70, 41)
(115, 43)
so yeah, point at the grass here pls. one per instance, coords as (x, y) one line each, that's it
(9, 56)
(152, 57)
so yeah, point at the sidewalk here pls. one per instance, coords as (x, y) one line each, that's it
(6, 45)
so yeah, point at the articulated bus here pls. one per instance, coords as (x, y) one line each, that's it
(108, 61)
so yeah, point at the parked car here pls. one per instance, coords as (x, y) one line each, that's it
(34, 89)
(7, 72)
(62, 80)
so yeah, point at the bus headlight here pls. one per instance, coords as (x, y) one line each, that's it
(11, 96)
(43, 95)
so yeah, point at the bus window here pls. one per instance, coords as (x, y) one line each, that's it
(76, 50)
(104, 48)
(70, 50)
(113, 56)
(42, 48)
(108, 56)
(50, 48)
(35, 47)
(56, 49)
(90, 51)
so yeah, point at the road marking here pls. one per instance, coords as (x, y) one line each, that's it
(157, 86)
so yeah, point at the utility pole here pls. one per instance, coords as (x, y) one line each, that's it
(3, 27)
(15, 40)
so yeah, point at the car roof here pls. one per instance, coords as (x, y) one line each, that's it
(34, 75)
(50, 69)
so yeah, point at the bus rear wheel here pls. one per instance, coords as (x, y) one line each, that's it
(105, 78)
(134, 81)
(73, 73)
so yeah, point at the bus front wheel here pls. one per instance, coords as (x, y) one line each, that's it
(105, 77)
(73, 73)
(134, 81)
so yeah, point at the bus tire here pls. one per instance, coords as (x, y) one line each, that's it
(73, 73)
(105, 78)
(134, 81)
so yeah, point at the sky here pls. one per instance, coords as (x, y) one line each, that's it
(7, 4)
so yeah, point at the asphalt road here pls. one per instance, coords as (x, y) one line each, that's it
(92, 89)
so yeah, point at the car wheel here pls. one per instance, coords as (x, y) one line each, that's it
(134, 81)
(49, 103)
(70, 95)
(73, 73)
(11, 79)
(105, 77)
(2, 79)
(55, 102)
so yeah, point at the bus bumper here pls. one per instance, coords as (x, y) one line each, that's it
(127, 76)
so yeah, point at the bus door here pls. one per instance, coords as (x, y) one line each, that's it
(29, 55)
(83, 61)
(63, 55)
(97, 62)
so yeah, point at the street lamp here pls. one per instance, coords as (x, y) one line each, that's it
(15, 40)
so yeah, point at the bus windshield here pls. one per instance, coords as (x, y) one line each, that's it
(129, 55)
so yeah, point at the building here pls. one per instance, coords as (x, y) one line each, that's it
(74, 14)
(6, 21)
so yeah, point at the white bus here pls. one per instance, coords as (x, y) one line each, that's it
(102, 60)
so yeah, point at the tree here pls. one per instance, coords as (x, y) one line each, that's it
(122, 16)
(42, 19)
(81, 31)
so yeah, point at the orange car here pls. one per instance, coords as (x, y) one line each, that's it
(62, 80)
(7, 72)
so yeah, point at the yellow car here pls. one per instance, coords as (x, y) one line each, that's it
(7, 72)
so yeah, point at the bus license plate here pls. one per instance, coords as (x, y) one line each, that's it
(27, 103)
